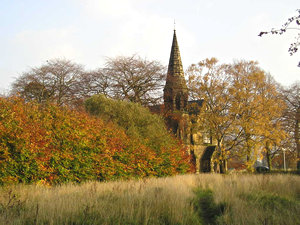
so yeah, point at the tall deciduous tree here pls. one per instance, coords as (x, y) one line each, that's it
(274, 137)
(135, 79)
(57, 80)
(291, 95)
(93, 82)
(243, 108)
(64, 82)
(257, 105)
(209, 81)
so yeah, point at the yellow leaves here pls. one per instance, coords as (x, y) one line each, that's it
(243, 104)
(210, 63)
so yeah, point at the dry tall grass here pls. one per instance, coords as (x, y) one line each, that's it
(250, 199)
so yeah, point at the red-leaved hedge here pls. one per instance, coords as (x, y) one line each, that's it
(50, 144)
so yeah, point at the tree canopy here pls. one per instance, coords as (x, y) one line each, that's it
(245, 111)
(67, 83)
(135, 79)
(57, 81)
(243, 108)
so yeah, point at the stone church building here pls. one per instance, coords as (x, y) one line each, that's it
(180, 117)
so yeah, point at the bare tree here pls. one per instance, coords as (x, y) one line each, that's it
(93, 82)
(56, 80)
(291, 96)
(66, 83)
(135, 79)
(295, 20)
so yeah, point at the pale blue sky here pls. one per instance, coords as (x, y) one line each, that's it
(87, 31)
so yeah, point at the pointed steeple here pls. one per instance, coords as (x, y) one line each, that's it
(175, 91)
(175, 64)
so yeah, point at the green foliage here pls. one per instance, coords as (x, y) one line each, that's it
(49, 144)
(139, 123)
(205, 207)
(136, 120)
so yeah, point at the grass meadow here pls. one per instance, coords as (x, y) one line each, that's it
(185, 199)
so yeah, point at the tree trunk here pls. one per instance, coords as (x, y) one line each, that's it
(223, 166)
(269, 160)
(223, 161)
(249, 162)
(268, 155)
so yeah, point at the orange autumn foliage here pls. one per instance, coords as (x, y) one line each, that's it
(54, 145)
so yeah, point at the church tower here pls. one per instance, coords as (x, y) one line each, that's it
(178, 118)
(175, 90)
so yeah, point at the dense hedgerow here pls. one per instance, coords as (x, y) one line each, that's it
(136, 120)
(47, 143)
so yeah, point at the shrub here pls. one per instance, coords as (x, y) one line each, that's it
(136, 120)
(139, 123)
(50, 144)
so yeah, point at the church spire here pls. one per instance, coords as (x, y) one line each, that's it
(175, 64)
(175, 91)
